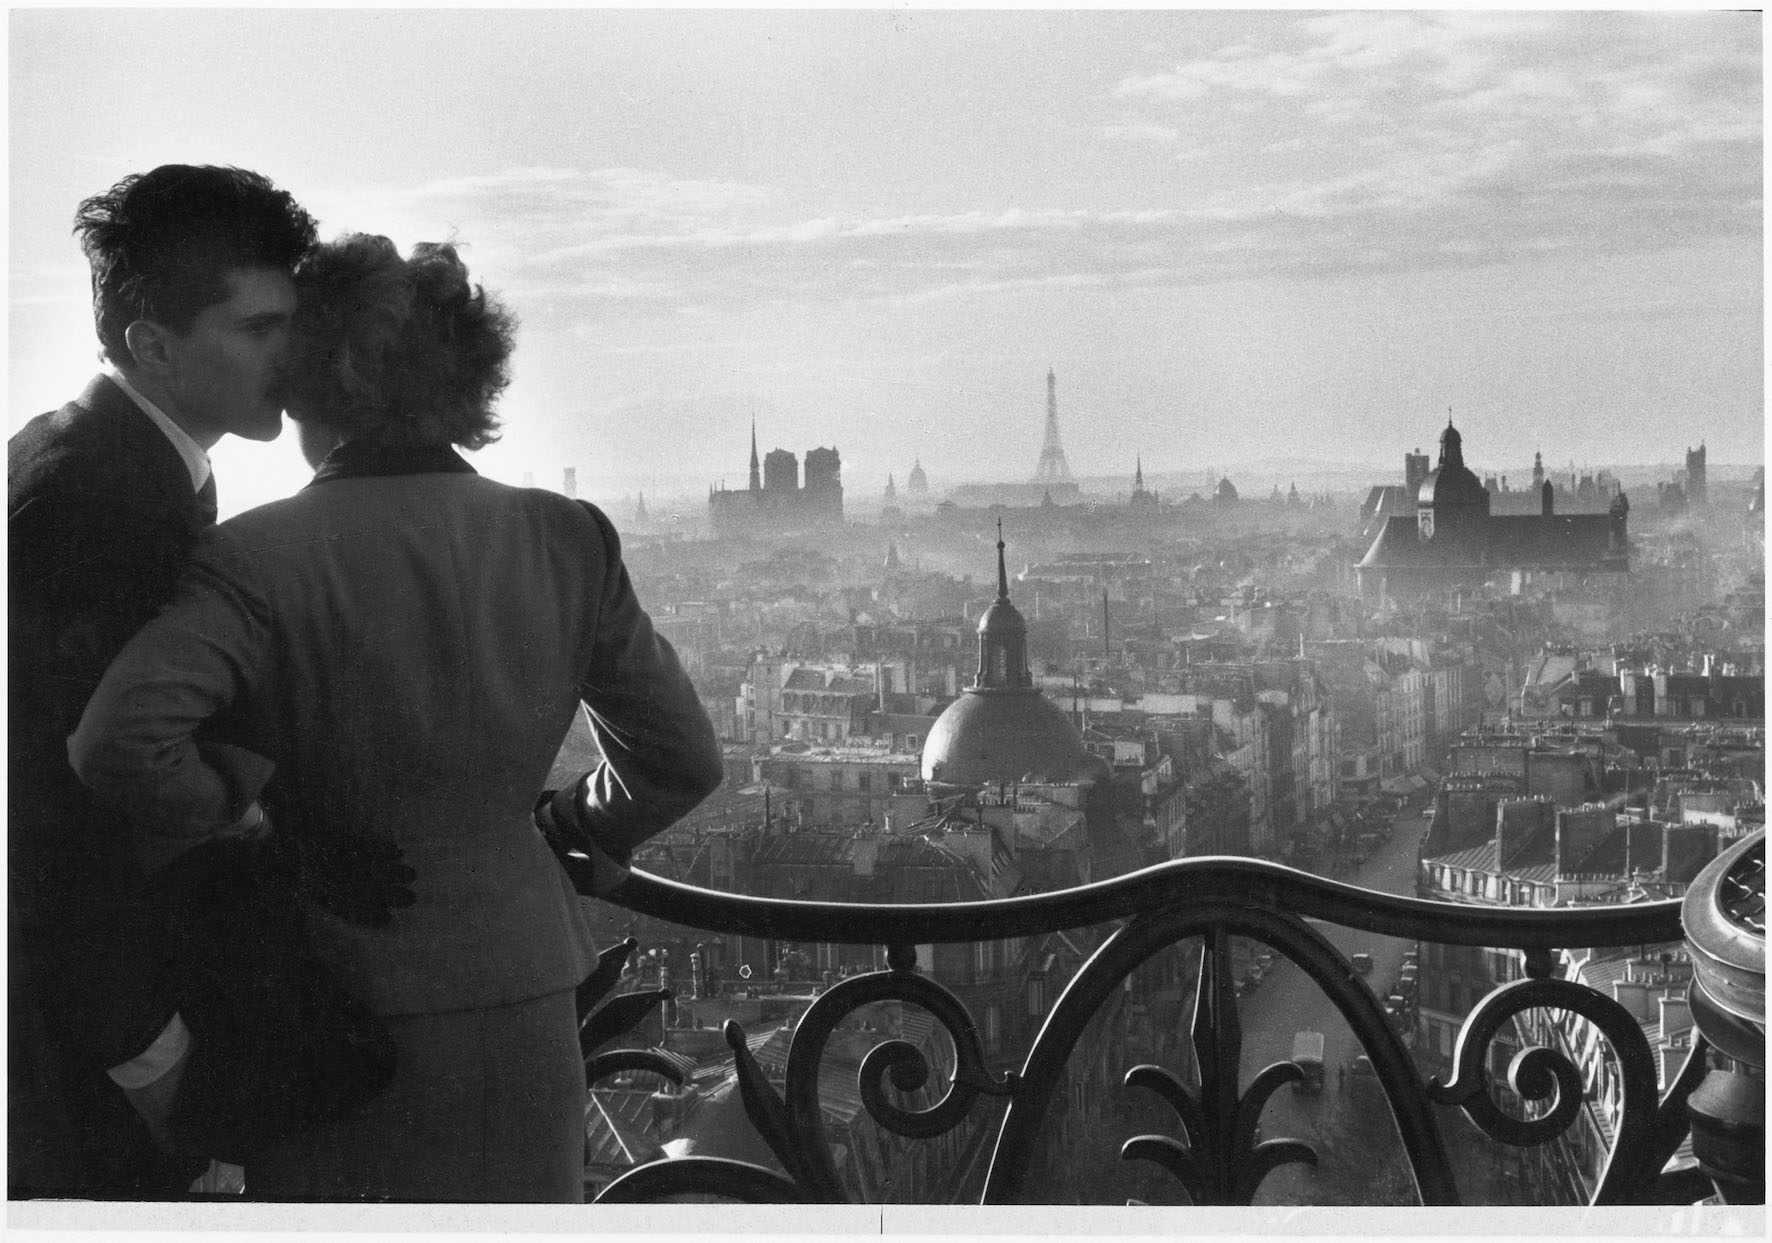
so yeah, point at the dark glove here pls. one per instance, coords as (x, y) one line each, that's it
(359, 879)
(593, 870)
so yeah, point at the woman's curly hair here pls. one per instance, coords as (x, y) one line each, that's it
(403, 350)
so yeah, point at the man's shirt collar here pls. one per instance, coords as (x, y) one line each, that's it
(195, 459)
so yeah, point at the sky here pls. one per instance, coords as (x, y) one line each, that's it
(1233, 235)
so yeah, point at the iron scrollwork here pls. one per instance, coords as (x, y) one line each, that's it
(794, 1127)
(1215, 1154)
(1223, 1162)
(1217, 1157)
(1542, 1074)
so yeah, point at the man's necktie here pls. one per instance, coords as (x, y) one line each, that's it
(206, 499)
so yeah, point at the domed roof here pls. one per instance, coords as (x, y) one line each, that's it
(1001, 620)
(1002, 728)
(991, 736)
(1452, 482)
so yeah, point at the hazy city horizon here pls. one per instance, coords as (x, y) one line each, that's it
(1337, 478)
(1233, 235)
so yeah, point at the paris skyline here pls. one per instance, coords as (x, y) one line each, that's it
(1234, 235)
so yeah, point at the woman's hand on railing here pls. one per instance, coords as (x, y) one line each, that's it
(593, 870)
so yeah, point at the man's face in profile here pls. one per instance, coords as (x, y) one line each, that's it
(227, 369)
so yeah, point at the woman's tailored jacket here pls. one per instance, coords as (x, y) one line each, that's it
(406, 642)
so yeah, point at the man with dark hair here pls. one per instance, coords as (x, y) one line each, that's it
(193, 298)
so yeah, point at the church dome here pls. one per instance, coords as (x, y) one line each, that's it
(1002, 729)
(990, 737)
(1452, 482)
(919, 482)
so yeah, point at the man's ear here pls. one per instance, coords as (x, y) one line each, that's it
(150, 346)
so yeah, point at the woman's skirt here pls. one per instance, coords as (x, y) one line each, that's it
(486, 1105)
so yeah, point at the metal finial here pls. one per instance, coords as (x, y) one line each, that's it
(1002, 570)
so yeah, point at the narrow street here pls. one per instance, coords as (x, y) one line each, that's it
(1347, 1115)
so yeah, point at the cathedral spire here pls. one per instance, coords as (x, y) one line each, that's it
(1138, 474)
(756, 474)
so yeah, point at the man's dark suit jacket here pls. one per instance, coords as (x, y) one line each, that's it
(100, 516)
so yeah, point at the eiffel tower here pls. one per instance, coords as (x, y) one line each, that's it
(1052, 467)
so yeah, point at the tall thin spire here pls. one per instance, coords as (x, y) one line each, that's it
(1138, 474)
(1002, 569)
(1052, 468)
(756, 474)
(1002, 636)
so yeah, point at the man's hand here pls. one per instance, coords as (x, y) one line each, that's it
(154, 1102)
(557, 819)
(359, 879)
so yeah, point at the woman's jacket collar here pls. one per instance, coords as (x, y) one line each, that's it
(362, 458)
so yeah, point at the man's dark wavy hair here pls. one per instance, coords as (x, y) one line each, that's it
(400, 350)
(161, 242)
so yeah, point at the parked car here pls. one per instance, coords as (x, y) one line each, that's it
(1362, 963)
(1361, 1065)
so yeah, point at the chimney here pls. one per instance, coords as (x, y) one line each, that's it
(1633, 995)
(1518, 825)
(1579, 830)
(864, 854)
(1676, 1015)
(1685, 849)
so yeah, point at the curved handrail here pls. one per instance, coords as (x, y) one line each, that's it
(1260, 883)
(1217, 1154)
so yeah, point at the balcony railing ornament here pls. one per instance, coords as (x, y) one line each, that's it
(794, 1127)
(1540, 1074)
(1725, 918)
(1224, 1163)
(1217, 1157)
(1215, 1153)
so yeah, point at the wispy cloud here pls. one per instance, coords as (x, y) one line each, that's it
(1360, 142)
(1509, 126)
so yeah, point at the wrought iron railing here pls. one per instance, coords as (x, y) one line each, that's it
(1215, 1152)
